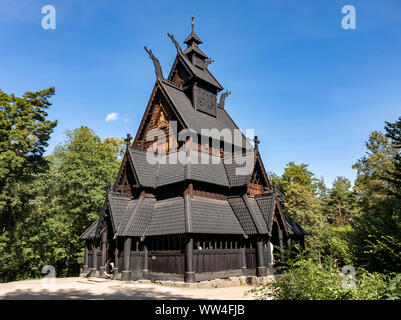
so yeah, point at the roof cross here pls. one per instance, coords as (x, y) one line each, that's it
(128, 140)
(193, 24)
(256, 142)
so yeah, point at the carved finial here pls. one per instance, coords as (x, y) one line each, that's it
(193, 24)
(158, 68)
(256, 141)
(223, 97)
(128, 140)
(177, 45)
(208, 61)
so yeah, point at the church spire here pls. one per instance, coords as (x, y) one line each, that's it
(192, 38)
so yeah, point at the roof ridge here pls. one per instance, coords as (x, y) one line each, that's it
(171, 83)
(188, 212)
(131, 218)
(249, 207)
(122, 218)
(119, 194)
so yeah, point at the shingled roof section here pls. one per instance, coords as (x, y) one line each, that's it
(258, 214)
(140, 218)
(213, 216)
(236, 170)
(203, 74)
(90, 233)
(170, 170)
(266, 205)
(207, 168)
(145, 171)
(200, 167)
(293, 227)
(117, 205)
(168, 217)
(128, 212)
(242, 213)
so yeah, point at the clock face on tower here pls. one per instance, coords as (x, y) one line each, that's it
(206, 101)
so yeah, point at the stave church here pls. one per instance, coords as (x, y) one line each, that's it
(192, 200)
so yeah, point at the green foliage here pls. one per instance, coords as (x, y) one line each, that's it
(24, 132)
(306, 279)
(393, 290)
(377, 238)
(64, 201)
(340, 202)
(335, 243)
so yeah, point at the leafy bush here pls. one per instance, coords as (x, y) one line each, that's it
(309, 280)
(334, 243)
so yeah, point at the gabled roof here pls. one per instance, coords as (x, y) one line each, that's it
(294, 228)
(90, 233)
(192, 37)
(203, 74)
(117, 205)
(199, 121)
(242, 213)
(266, 205)
(196, 49)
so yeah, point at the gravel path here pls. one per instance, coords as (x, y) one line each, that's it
(81, 288)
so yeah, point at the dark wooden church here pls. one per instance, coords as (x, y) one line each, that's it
(191, 221)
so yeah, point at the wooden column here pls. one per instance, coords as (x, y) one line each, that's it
(243, 257)
(115, 270)
(104, 252)
(261, 269)
(281, 243)
(145, 261)
(86, 257)
(126, 275)
(189, 261)
(94, 259)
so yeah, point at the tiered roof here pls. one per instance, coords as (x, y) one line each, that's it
(147, 216)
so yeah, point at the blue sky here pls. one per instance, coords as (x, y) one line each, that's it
(311, 90)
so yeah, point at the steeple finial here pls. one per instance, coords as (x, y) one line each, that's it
(193, 24)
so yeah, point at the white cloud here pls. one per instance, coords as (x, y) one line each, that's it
(112, 117)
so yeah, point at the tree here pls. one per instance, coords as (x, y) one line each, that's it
(24, 135)
(299, 187)
(84, 165)
(374, 171)
(340, 202)
(393, 132)
(377, 237)
(65, 200)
